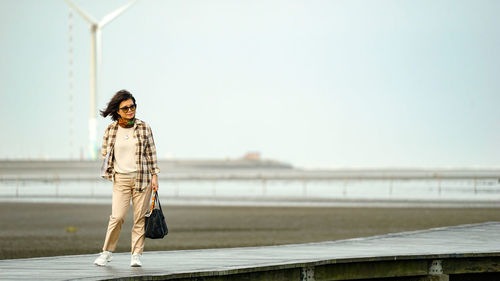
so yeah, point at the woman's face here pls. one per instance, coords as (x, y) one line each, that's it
(127, 109)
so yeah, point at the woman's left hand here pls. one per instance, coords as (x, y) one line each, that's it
(154, 183)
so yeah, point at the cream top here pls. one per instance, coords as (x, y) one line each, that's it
(124, 151)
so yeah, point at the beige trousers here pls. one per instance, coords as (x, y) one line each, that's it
(123, 191)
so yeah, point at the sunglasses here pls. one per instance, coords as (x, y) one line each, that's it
(127, 108)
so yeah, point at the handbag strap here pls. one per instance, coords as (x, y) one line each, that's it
(155, 199)
(158, 199)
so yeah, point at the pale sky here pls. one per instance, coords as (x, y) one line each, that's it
(318, 84)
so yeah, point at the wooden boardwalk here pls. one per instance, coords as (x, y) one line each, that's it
(438, 253)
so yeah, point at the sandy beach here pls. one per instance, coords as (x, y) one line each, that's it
(39, 229)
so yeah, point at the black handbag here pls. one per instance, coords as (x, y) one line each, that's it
(155, 225)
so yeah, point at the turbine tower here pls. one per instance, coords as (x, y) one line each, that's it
(95, 65)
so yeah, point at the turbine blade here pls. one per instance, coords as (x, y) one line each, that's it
(86, 16)
(111, 16)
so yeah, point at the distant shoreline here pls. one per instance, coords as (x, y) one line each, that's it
(235, 169)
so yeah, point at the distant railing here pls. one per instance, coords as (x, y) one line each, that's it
(220, 179)
(266, 174)
(282, 186)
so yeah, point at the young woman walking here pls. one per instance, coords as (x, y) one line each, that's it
(130, 163)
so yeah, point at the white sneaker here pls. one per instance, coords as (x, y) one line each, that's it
(135, 260)
(104, 258)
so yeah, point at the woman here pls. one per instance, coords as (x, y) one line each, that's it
(130, 162)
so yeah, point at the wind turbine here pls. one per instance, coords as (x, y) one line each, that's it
(95, 65)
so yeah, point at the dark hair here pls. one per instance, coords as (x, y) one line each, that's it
(114, 104)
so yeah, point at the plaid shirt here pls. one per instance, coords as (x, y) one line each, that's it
(145, 154)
